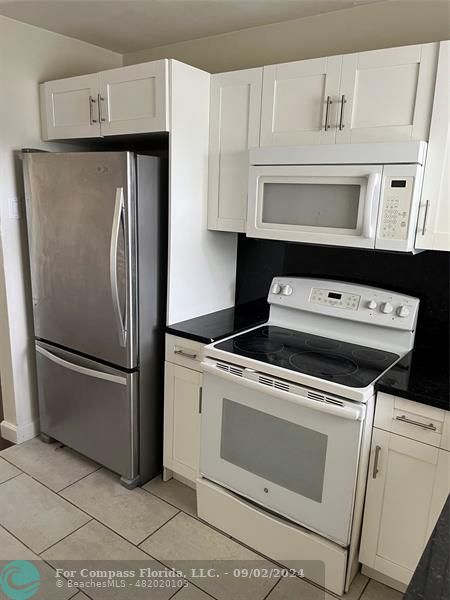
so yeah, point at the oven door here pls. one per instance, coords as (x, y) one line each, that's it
(293, 455)
(335, 205)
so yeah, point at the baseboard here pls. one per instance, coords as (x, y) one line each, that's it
(393, 583)
(17, 434)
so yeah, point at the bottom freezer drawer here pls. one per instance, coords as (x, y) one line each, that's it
(89, 407)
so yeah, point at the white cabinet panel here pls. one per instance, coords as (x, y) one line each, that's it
(182, 399)
(69, 108)
(294, 102)
(434, 220)
(134, 99)
(234, 128)
(405, 494)
(387, 94)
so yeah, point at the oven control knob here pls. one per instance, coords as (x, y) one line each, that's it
(276, 288)
(286, 290)
(403, 311)
(372, 304)
(387, 308)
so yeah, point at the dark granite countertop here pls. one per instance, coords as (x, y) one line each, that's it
(422, 375)
(217, 325)
(431, 579)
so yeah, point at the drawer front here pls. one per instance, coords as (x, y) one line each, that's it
(89, 407)
(411, 419)
(184, 352)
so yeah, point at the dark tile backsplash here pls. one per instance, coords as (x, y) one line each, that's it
(425, 275)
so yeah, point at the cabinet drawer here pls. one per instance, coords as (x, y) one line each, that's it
(411, 419)
(184, 352)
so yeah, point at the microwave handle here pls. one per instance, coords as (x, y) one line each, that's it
(368, 224)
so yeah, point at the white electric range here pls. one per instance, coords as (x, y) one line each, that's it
(285, 404)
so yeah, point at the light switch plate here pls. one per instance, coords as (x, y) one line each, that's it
(14, 208)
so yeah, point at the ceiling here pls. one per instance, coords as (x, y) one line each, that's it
(131, 25)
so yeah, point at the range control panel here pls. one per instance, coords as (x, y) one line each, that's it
(335, 298)
(346, 301)
(397, 201)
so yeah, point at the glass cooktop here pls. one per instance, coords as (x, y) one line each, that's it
(325, 358)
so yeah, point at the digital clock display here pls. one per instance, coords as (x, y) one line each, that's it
(334, 295)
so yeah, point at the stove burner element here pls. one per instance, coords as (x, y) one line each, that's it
(322, 344)
(368, 354)
(323, 364)
(258, 346)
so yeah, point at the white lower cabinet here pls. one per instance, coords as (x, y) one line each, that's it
(408, 483)
(182, 397)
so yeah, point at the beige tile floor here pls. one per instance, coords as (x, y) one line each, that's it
(57, 507)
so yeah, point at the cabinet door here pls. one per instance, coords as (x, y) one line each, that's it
(386, 95)
(434, 220)
(182, 420)
(69, 108)
(134, 99)
(294, 102)
(234, 128)
(402, 477)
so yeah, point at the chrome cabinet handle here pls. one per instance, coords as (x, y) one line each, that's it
(404, 419)
(101, 99)
(118, 213)
(341, 119)
(328, 104)
(92, 102)
(200, 400)
(425, 217)
(185, 354)
(375, 470)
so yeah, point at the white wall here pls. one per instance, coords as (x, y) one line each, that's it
(28, 56)
(366, 27)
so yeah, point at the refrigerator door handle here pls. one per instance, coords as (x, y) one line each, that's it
(118, 216)
(79, 369)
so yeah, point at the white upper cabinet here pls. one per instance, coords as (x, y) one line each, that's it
(234, 128)
(134, 99)
(387, 95)
(299, 102)
(126, 100)
(69, 108)
(377, 96)
(434, 220)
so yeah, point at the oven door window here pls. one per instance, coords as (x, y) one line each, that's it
(296, 462)
(323, 205)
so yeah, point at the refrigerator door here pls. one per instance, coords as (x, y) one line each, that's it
(89, 407)
(81, 233)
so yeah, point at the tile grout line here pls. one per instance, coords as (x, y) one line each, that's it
(65, 537)
(158, 529)
(77, 481)
(12, 477)
(41, 482)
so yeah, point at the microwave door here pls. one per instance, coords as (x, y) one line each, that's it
(333, 205)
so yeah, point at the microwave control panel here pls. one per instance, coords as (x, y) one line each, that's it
(396, 207)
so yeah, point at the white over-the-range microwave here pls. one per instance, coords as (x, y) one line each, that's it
(358, 195)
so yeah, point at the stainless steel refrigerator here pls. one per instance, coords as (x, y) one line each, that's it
(96, 236)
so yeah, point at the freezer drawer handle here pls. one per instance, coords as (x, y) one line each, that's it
(82, 370)
(118, 214)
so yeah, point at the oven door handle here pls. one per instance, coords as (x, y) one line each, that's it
(356, 413)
